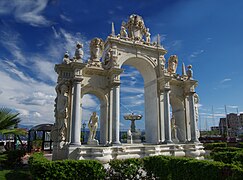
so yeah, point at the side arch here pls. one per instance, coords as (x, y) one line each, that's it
(102, 96)
(178, 110)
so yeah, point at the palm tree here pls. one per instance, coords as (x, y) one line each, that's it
(9, 122)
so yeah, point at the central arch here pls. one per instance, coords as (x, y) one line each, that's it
(147, 69)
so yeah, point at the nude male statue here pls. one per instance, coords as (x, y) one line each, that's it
(93, 125)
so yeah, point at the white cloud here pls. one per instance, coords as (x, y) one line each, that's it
(88, 101)
(225, 80)
(126, 89)
(66, 41)
(27, 11)
(154, 38)
(174, 45)
(65, 18)
(196, 53)
(10, 40)
(17, 92)
(45, 69)
(32, 96)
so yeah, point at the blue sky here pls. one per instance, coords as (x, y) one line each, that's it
(34, 35)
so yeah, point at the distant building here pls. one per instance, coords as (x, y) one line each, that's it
(233, 126)
(214, 128)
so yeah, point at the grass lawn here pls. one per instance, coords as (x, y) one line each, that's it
(15, 174)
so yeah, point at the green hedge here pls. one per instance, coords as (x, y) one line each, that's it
(175, 168)
(211, 146)
(154, 167)
(235, 157)
(42, 168)
(125, 169)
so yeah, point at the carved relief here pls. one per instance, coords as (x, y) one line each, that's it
(59, 130)
(110, 59)
(162, 62)
(196, 104)
(96, 50)
(172, 64)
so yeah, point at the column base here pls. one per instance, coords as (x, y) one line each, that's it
(194, 141)
(75, 144)
(167, 142)
(117, 143)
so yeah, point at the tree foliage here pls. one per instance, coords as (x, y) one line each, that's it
(9, 122)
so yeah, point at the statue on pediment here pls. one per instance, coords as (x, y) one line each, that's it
(79, 53)
(123, 32)
(172, 64)
(147, 35)
(189, 72)
(66, 59)
(96, 49)
(136, 27)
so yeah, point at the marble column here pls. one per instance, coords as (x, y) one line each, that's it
(103, 123)
(193, 124)
(110, 118)
(162, 118)
(116, 116)
(167, 116)
(76, 114)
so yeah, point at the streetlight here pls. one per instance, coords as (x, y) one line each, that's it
(84, 125)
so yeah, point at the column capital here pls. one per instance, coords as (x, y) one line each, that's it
(190, 93)
(78, 79)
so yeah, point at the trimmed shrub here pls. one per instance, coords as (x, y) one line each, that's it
(185, 168)
(238, 159)
(157, 166)
(125, 169)
(42, 168)
(226, 149)
(225, 157)
(211, 146)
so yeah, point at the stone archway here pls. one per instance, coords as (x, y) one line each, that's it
(100, 76)
(147, 69)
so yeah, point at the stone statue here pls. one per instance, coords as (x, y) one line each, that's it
(174, 130)
(123, 32)
(96, 49)
(61, 111)
(162, 62)
(147, 36)
(79, 53)
(136, 27)
(66, 59)
(108, 57)
(93, 125)
(189, 72)
(172, 64)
